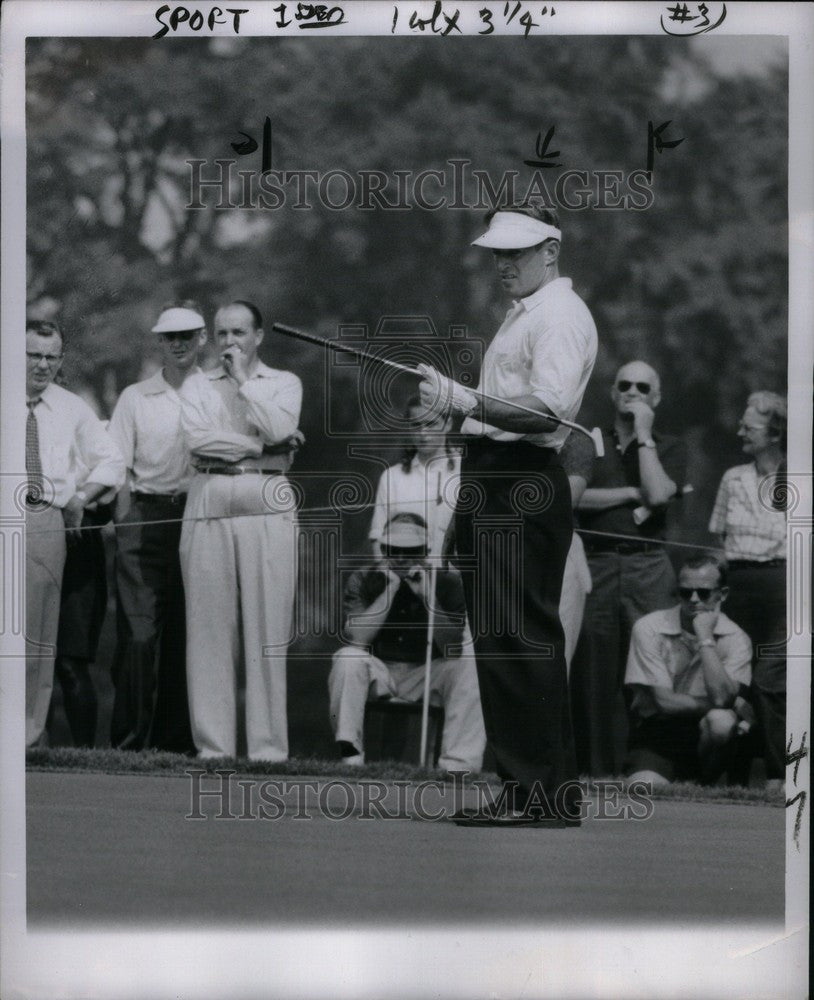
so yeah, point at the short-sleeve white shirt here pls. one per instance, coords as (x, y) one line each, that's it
(146, 425)
(662, 654)
(546, 347)
(430, 490)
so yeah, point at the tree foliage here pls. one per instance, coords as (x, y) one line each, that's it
(696, 284)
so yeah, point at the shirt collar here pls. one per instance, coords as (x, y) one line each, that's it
(539, 297)
(670, 623)
(44, 396)
(156, 384)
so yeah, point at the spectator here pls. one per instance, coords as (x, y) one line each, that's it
(749, 515)
(150, 706)
(71, 462)
(425, 482)
(386, 621)
(238, 542)
(640, 472)
(688, 670)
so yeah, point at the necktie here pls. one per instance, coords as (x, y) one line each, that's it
(33, 462)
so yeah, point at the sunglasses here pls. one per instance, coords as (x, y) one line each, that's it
(704, 593)
(186, 335)
(624, 386)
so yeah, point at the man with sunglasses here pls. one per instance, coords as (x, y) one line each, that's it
(688, 672)
(385, 608)
(624, 511)
(71, 462)
(149, 671)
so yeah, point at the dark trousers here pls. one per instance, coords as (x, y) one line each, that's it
(83, 604)
(625, 586)
(757, 602)
(513, 532)
(150, 708)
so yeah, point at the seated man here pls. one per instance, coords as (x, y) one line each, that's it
(385, 610)
(688, 670)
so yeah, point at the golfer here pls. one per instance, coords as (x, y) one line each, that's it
(513, 521)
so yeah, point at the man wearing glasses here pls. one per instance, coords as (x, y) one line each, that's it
(631, 573)
(149, 673)
(688, 671)
(71, 462)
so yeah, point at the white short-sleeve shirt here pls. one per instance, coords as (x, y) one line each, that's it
(546, 347)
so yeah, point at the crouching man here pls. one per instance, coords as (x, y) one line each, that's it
(688, 670)
(386, 616)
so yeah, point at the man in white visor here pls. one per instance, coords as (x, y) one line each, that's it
(513, 521)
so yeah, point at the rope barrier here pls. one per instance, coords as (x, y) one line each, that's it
(356, 509)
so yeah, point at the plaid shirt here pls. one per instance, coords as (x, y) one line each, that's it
(750, 527)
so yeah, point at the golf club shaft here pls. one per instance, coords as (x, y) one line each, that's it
(358, 352)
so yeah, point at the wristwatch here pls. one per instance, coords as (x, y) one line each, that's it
(81, 495)
(649, 443)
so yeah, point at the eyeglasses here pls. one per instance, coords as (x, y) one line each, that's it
(704, 593)
(180, 334)
(35, 358)
(624, 386)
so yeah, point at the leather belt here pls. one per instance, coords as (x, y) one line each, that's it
(237, 470)
(176, 498)
(755, 563)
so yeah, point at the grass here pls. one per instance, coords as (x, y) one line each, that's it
(109, 761)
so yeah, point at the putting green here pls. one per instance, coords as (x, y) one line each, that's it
(108, 849)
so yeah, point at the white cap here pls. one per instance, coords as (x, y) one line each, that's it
(177, 319)
(514, 231)
(404, 535)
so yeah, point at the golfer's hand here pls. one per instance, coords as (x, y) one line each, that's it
(442, 395)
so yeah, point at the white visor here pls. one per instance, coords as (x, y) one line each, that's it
(178, 319)
(513, 231)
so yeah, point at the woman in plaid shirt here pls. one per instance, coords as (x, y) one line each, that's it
(750, 517)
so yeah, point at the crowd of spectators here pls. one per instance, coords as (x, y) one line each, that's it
(672, 678)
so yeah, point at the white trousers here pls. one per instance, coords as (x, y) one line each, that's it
(576, 585)
(239, 579)
(44, 562)
(453, 684)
